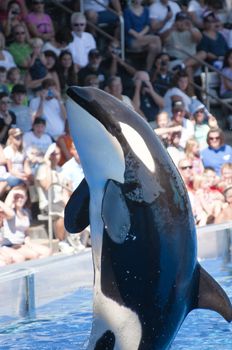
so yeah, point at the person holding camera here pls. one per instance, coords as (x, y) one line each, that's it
(14, 18)
(145, 97)
(49, 105)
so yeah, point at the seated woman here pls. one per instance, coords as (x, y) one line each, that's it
(16, 228)
(137, 30)
(8, 255)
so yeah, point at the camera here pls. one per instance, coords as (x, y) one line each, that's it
(116, 51)
(50, 93)
(163, 63)
(15, 12)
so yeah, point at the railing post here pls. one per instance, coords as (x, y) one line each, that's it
(27, 299)
(122, 37)
(206, 88)
(50, 223)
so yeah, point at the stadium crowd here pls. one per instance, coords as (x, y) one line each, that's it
(44, 49)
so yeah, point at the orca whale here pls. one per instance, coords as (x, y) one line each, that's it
(146, 274)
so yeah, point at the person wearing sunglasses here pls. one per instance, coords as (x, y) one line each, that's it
(7, 117)
(218, 152)
(82, 42)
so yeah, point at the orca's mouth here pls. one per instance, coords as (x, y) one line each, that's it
(84, 98)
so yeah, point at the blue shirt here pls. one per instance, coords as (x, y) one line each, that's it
(137, 23)
(215, 158)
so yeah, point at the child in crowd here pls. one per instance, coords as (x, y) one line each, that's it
(226, 213)
(37, 68)
(192, 151)
(20, 108)
(13, 77)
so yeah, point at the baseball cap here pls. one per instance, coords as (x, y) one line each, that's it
(181, 16)
(209, 16)
(19, 88)
(94, 53)
(178, 105)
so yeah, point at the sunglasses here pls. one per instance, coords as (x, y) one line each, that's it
(214, 138)
(5, 102)
(78, 24)
(186, 167)
(18, 137)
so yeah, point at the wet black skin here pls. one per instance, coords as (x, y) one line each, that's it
(154, 272)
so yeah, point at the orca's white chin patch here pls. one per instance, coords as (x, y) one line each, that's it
(138, 145)
(100, 153)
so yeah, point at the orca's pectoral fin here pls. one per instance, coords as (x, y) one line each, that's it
(76, 214)
(212, 296)
(115, 213)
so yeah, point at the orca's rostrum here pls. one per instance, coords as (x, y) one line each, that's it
(146, 274)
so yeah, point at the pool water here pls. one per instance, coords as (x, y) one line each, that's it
(65, 324)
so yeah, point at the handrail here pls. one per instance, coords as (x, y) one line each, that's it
(215, 227)
(209, 66)
(102, 32)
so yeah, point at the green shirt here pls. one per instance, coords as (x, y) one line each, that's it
(20, 53)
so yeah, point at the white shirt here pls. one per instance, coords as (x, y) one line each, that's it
(42, 143)
(52, 113)
(80, 47)
(72, 170)
(158, 12)
(17, 158)
(8, 61)
(92, 5)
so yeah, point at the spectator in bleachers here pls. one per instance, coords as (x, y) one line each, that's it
(203, 121)
(114, 87)
(162, 77)
(67, 71)
(175, 150)
(50, 173)
(59, 42)
(72, 169)
(164, 129)
(8, 255)
(137, 32)
(145, 98)
(93, 67)
(113, 64)
(91, 80)
(162, 15)
(6, 59)
(195, 10)
(82, 42)
(210, 198)
(226, 84)
(3, 80)
(101, 14)
(183, 36)
(39, 23)
(20, 109)
(178, 118)
(13, 78)
(218, 152)
(226, 176)
(37, 136)
(51, 63)
(37, 66)
(16, 228)
(226, 213)
(20, 48)
(212, 45)
(50, 106)
(7, 118)
(192, 151)
(16, 160)
(180, 89)
(65, 141)
(14, 17)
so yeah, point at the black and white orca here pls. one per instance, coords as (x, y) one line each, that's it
(147, 278)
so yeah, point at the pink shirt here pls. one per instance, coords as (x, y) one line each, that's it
(43, 22)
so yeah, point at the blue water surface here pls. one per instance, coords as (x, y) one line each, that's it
(65, 324)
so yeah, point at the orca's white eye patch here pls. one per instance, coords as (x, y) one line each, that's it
(138, 146)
